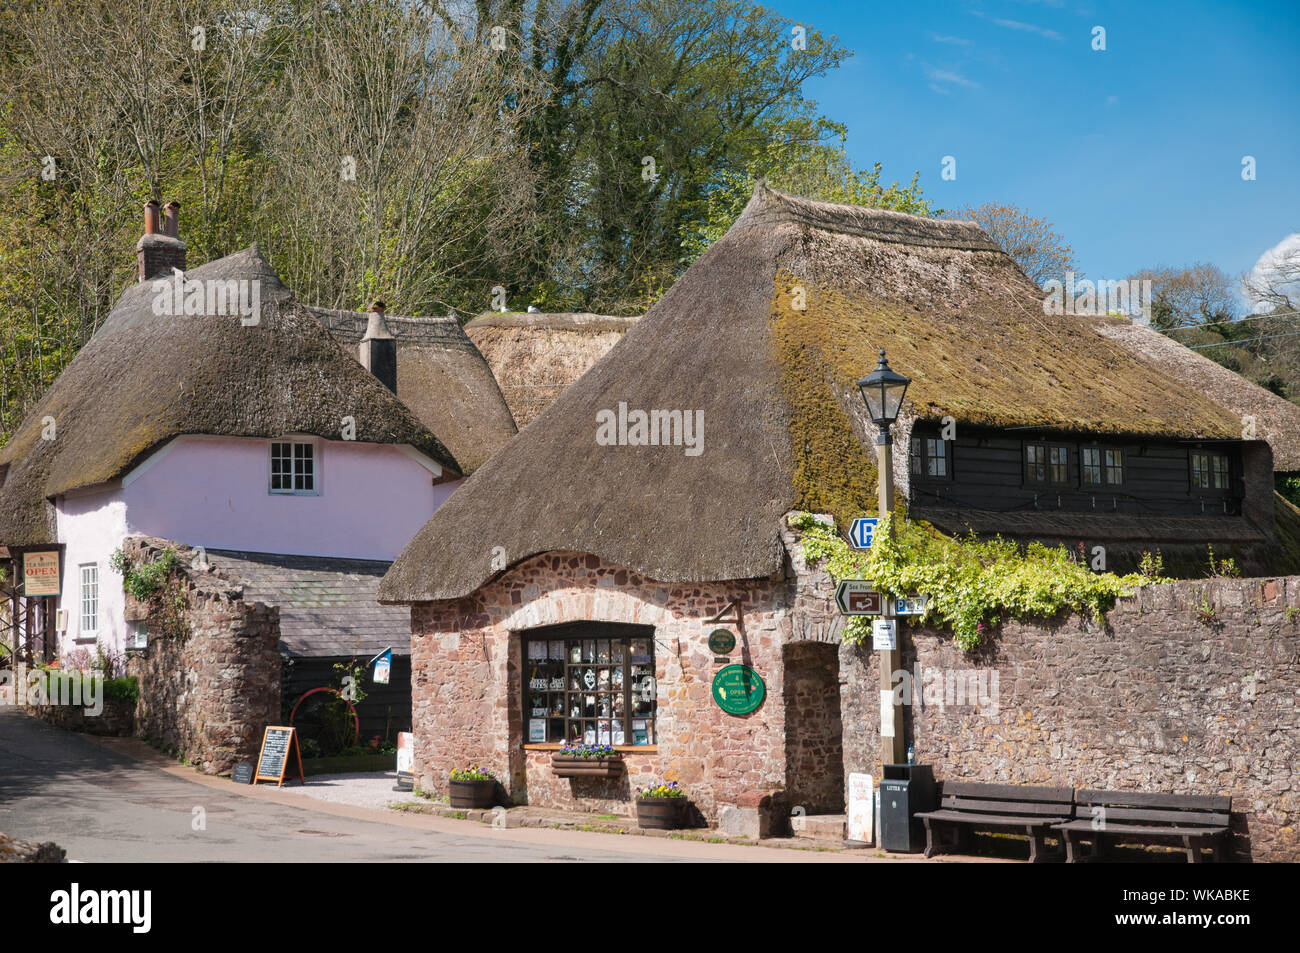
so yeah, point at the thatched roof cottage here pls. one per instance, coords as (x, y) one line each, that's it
(568, 591)
(214, 409)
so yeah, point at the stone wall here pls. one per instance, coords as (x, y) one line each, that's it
(208, 694)
(1189, 688)
(467, 692)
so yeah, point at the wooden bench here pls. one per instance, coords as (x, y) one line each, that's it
(1195, 821)
(969, 806)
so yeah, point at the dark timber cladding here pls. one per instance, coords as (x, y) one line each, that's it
(1002, 470)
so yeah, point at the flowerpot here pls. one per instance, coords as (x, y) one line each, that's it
(473, 794)
(569, 766)
(661, 813)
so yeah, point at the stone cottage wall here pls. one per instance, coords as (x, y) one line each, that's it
(1190, 688)
(467, 693)
(207, 695)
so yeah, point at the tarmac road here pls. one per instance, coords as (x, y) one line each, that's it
(102, 805)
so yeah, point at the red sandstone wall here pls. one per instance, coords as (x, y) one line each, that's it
(466, 694)
(1193, 688)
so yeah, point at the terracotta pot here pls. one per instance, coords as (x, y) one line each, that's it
(569, 766)
(473, 794)
(661, 813)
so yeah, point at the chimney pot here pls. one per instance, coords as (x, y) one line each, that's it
(172, 222)
(151, 217)
(159, 251)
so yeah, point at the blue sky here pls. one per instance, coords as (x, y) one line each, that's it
(1135, 153)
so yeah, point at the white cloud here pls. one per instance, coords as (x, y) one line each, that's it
(1018, 25)
(1278, 269)
(955, 40)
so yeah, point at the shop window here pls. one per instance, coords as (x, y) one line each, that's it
(597, 691)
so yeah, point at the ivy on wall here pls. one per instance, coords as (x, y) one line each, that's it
(972, 584)
(160, 584)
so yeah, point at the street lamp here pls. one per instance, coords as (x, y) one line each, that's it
(882, 391)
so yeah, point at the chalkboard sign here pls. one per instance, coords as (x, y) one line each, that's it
(243, 773)
(279, 754)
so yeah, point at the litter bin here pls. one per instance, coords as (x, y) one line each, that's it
(905, 791)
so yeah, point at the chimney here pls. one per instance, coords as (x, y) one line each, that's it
(158, 252)
(379, 348)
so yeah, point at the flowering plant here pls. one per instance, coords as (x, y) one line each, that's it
(662, 790)
(472, 774)
(588, 752)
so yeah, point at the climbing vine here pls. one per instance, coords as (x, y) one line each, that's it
(160, 584)
(972, 584)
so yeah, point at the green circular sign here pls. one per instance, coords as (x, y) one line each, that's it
(721, 641)
(738, 689)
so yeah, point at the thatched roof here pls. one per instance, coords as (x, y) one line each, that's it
(536, 356)
(145, 378)
(783, 423)
(1277, 420)
(442, 377)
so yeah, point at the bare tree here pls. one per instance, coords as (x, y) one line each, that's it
(1199, 294)
(1274, 283)
(399, 152)
(1041, 253)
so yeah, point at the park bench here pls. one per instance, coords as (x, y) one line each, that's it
(968, 806)
(1195, 821)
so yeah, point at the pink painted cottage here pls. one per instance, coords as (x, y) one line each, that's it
(214, 409)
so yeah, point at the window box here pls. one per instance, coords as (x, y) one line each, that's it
(661, 813)
(576, 766)
(467, 795)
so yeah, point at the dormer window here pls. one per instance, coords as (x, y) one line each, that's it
(293, 467)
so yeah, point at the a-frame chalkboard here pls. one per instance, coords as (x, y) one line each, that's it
(279, 743)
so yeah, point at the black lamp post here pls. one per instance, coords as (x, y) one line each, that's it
(882, 391)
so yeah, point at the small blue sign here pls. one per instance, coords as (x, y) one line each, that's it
(862, 532)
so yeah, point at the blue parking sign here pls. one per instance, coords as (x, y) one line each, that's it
(862, 532)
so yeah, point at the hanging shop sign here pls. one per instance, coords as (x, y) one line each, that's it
(41, 573)
(383, 667)
(738, 690)
(721, 641)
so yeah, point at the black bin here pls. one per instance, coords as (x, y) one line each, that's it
(905, 791)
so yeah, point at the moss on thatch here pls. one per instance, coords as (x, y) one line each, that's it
(777, 390)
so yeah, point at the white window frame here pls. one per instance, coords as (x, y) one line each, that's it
(294, 443)
(88, 633)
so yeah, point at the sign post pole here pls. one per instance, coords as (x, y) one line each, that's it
(891, 706)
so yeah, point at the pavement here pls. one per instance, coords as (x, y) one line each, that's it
(117, 799)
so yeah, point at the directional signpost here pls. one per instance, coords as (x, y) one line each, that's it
(862, 532)
(859, 597)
